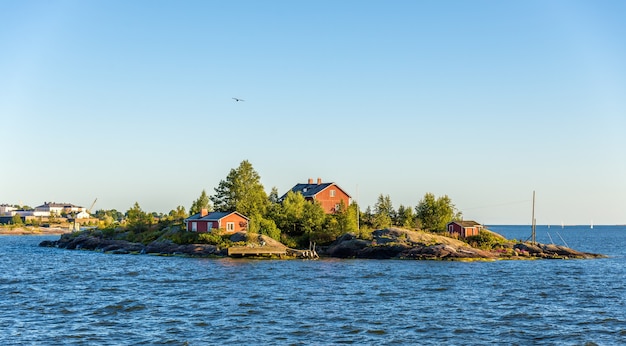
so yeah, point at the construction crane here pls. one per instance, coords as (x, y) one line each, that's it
(92, 204)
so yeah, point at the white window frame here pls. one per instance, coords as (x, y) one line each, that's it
(332, 193)
(230, 226)
(194, 226)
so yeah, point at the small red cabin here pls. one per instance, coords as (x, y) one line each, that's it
(464, 229)
(204, 222)
(330, 195)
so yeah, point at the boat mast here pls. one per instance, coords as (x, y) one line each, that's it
(533, 235)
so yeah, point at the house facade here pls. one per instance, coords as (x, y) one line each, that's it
(230, 222)
(329, 195)
(7, 210)
(49, 208)
(464, 229)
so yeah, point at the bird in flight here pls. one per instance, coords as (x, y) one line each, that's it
(237, 100)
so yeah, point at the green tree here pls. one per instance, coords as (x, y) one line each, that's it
(341, 222)
(367, 217)
(313, 219)
(434, 214)
(242, 191)
(383, 212)
(268, 228)
(273, 197)
(301, 219)
(137, 219)
(16, 219)
(202, 202)
(178, 214)
(105, 214)
(405, 217)
(291, 214)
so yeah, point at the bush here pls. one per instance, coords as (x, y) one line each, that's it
(484, 240)
(183, 237)
(365, 233)
(209, 238)
(217, 239)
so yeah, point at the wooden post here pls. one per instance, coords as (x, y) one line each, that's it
(533, 235)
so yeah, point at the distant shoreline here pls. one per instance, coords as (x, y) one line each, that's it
(33, 231)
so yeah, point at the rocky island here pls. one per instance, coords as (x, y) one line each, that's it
(389, 243)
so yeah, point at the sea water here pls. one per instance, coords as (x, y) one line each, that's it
(52, 296)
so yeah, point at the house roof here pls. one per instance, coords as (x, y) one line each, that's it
(58, 205)
(468, 223)
(310, 190)
(213, 216)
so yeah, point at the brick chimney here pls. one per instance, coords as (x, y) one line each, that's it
(319, 181)
(310, 180)
(204, 212)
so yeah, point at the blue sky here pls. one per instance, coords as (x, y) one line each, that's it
(484, 101)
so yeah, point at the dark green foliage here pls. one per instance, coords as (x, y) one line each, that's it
(433, 214)
(383, 212)
(177, 214)
(241, 191)
(16, 220)
(342, 222)
(112, 215)
(405, 217)
(484, 240)
(182, 237)
(367, 218)
(268, 227)
(201, 203)
(137, 220)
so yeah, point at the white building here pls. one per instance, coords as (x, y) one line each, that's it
(82, 215)
(7, 210)
(49, 208)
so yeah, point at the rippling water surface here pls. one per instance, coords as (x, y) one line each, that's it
(54, 296)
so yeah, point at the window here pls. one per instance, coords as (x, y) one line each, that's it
(194, 226)
(230, 226)
(332, 193)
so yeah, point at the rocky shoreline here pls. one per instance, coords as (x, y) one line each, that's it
(392, 243)
(405, 244)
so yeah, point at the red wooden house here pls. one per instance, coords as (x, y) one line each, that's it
(329, 195)
(464, 229)
(229, 222)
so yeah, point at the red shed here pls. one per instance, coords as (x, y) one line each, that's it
(204, 221)
(329, 195)
(464, 228)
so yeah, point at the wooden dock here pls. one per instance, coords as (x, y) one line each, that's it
(241, 251)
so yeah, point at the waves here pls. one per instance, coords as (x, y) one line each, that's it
(52, 296)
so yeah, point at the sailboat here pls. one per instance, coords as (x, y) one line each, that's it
(591, 226)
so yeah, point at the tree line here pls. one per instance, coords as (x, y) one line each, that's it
(295, 221)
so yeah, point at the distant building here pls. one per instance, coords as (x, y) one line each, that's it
(6, 210)
(49, 208)
(82, 215)
(329, 195)
(464, 229)
(204, 222)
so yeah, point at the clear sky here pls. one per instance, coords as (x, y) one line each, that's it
(483, 101)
